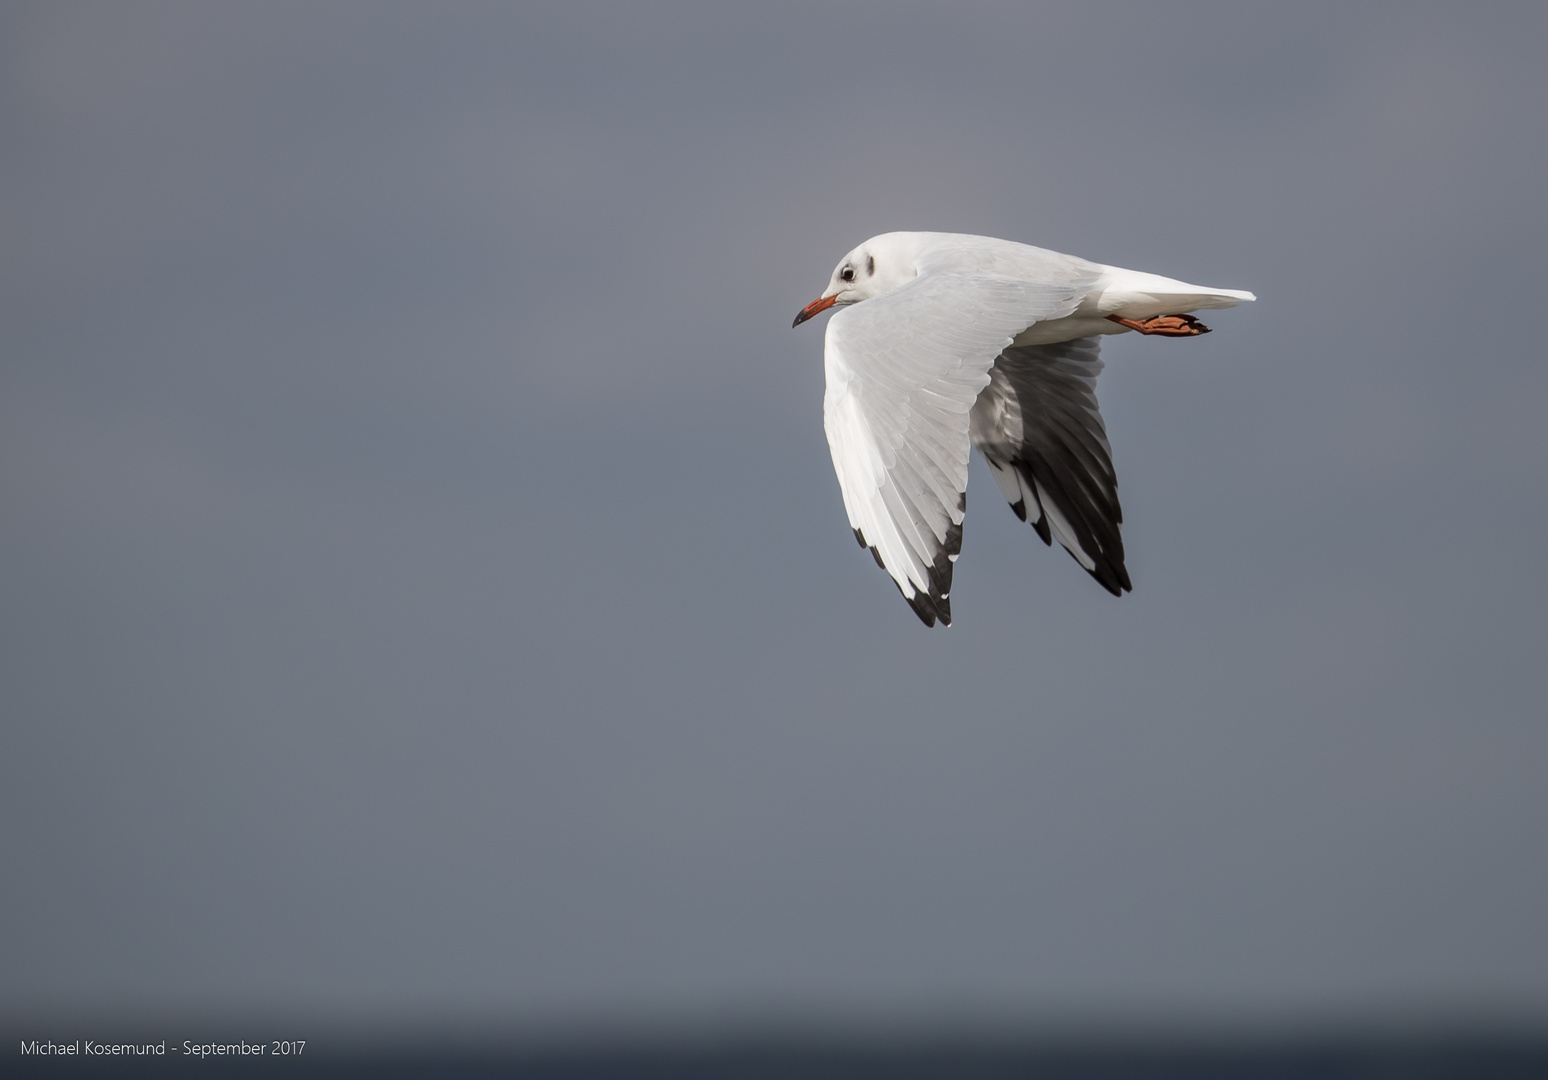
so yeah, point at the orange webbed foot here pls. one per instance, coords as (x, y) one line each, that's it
(1164, 325)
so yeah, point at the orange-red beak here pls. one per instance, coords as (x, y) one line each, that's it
(816, 307)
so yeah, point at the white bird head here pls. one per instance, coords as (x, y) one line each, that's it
(876, 267)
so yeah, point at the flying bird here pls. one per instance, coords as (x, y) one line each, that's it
(948, 341)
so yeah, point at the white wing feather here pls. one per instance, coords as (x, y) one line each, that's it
(903, 371)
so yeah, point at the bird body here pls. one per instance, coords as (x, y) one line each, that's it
(949, 341)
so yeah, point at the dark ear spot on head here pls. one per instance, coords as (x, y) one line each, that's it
(870, 264)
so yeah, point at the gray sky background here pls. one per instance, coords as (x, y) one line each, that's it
(426, 594)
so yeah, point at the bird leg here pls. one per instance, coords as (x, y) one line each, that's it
(1165, 325)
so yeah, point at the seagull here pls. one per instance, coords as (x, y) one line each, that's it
(947, 341)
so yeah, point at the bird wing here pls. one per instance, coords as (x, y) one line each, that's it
(1038, 426)
(903, 370)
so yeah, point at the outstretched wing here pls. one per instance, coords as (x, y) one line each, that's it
(1038, 426)
(903, 371)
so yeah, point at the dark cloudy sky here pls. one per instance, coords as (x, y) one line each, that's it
(424, 592)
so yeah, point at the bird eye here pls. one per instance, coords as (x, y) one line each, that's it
(848, 273)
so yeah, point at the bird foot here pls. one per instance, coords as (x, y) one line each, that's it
(1165, 325)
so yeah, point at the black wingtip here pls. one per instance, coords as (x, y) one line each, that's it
(1117, 584)
(1044, 533)
(930, 609)
(933, 603)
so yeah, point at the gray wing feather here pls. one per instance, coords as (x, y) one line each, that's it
(1038, 426)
